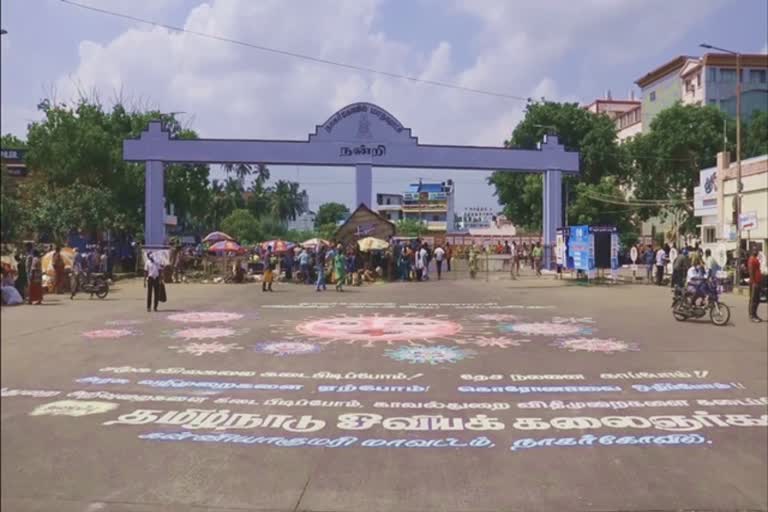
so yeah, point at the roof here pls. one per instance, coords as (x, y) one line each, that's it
(749, 60)
(663, 70)
(425, 187)
(363, 217)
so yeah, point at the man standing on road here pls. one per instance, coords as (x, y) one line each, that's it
(680, 268)
(77, 274)
(439, 255)
(648, 258)
(537, 254)
(661, 261)
(755, 282)
(320, 264)
(152, 276)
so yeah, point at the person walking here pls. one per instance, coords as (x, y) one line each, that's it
(320, 266)
(76, 280)
(680, 268)
(439, 256)
(339, 263)
(755, 282)
(35, 294)
(269, 271)
(661, 261)
(448, 256)
(21, 276)
(537, 254)
(426, 254)
(710, 265)
(152, 276)
(648, 259)
(304, 265)
(58, 270)
(472, 261)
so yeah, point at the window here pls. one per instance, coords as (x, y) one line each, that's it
(435, 217)
(727, 75)
(698, 79)
(711, 74)
(389, 200)
(653, 96)
(709, 235)
(713, 102)
(757, 76)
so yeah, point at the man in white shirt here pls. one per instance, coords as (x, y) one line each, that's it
(424, 253)
(661, 261)
(439, 257)
(152, 271)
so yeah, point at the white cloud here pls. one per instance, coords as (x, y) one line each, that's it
(234, 91)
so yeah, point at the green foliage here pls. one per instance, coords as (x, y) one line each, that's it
(13, 217)
(9, 141)
(272, 228)
(330, 213)
(327, 231)
(410, 227)
(298, 236)
(756, 132)
(286, 201)
(594, 136)
(55, 212)
(242, 225)
(610, 211)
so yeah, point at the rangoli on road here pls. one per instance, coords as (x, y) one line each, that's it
(419, 354)
(200, 317)
(202, 348)
(109, 334)
(287, 348)
(606, 346)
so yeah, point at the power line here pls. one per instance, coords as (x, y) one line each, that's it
(296, 55)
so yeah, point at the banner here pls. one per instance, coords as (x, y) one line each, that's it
(581, 248)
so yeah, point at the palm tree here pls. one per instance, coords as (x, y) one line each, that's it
(242, 171)
(286, 200)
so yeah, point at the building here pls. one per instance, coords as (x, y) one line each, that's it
(706, 80)
(305, 221)
(431, 204)
(390, 206)
(714, 204)
(477, 217)
(13, 160)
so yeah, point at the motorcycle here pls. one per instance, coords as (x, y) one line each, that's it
(684, 305)
(96, 285)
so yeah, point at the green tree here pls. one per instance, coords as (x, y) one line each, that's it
(83, 144)
(756, 132)
(330, 213)
(681, 140)
(242, 225)
(594, 136)
(286, 201)
(272, 228)
(410, 227)
(603, 203)
(13, 217)
(9, 141)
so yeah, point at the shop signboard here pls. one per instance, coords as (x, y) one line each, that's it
(581, 247)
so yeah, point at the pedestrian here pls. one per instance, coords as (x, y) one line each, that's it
(439, 256)
(472, 261)
(35, 293)
(536, 255)
(21, 276)
(58, 270)
(427, 257)
(661, 261)
(448, 256)
(755, 282)
(339, 263)
(680, 268)
(76, 279)
(269, 271)
(320, 267)
(420, 259)
(710, 265)
(152, 276)
(304, 265)
(648, 259)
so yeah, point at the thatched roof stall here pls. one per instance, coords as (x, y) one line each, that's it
(364, 222)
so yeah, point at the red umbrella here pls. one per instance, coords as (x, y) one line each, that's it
(278, 245)
(226, 246)
(217, 236)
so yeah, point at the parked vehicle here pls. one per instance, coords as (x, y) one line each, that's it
(97, 285)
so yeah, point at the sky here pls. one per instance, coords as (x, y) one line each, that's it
(562, 50)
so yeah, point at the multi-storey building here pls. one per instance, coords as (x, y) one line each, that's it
(390, 206)
(431, 204)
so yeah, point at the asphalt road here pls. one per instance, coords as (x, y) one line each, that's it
(441, 396)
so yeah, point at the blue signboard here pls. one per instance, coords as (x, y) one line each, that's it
(581, 248)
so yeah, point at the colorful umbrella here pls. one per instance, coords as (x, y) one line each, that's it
(278, 245)
(372, 244)
(217, 236)
(314, 243)
(226, 246)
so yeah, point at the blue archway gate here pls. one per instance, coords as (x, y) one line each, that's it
(361, 135)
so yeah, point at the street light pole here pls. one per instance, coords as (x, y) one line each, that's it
(737, 277)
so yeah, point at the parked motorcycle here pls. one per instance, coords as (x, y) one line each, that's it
(96, 285)
(684, 305)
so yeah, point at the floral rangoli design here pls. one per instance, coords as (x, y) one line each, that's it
(498, 317)
(606, 346)
(433, 355)
(493, 342)
(109, 334)
(545, 329)
(376, 329)
(205, 333)
(287, 348)
(201, 317)
(203, 348)
(125, 322)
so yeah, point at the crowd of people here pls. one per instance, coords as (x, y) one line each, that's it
(28, 281)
